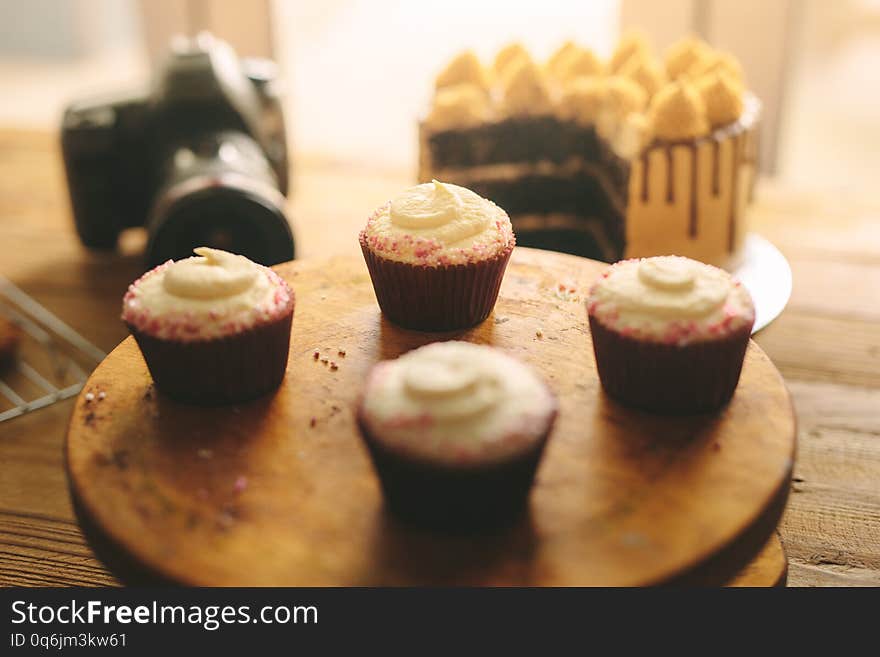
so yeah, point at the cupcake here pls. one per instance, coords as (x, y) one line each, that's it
(669, 333)
(213, 329)
(455, 432)
(436, 255)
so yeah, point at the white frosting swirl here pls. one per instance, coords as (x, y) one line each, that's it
(455, 400)
(438, 224)
(215, 275)
(209, 295)
(670, 298)
(431, 205)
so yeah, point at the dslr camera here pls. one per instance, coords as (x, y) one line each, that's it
(199, 160)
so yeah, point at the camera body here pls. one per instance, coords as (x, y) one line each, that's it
(199, 160)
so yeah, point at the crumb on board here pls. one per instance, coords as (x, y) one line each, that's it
(501, 320)
(325, 360)
(539, 333)
(313, 421)
(316, 355)
(333, 366)
(341, 353)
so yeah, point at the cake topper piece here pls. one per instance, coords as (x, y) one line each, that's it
(580, 62)
(465, 68)
(508, 57)
(559, 58)
(647, 72)
(634, 43)
(678, 112)
(462, 105)
(526, 92)
(582, 100)
(723, 97)
(685, 55)
(623, 96)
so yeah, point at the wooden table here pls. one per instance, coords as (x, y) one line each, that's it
(826, 344)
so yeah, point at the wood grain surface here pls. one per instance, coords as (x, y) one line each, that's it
(826, 346)
(280, 491)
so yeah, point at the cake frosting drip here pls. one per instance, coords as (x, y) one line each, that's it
(439, 224)
(582, 100)
(678, 112)
(723, 97)
(670, 299)
(464, 69)
(207, 296)
(453, 401)
(525, 92)
(462, 105)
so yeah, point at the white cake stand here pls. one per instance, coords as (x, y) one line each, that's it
(767, 275)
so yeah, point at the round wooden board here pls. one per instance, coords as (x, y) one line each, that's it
(280, 491)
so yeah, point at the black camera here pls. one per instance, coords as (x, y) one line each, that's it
(200, 160)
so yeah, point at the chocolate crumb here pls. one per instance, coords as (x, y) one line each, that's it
(313, 421)
(539, 333)
(333, 366)
(316, 355)
(325, 360)
(90, 417)
(342, 352)
(120, 459)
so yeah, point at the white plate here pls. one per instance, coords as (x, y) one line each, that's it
(767, 276)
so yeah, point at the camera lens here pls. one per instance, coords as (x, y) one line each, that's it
(226, 214)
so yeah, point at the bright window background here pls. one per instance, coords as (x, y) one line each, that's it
(360, 71)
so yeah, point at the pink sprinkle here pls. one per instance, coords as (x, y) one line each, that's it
(240, 484)
(102, 395)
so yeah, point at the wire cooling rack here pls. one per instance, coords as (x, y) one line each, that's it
(53, 360)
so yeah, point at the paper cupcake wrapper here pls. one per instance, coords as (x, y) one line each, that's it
(441, 298)
(669, 379)
(481, 496)
(219, 371)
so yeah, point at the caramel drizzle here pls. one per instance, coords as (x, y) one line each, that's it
(734, 189)
(716, 172)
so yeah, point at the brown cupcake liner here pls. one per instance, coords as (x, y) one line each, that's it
(669, 379)
(440, 298)
(226, 370)
(466, 498)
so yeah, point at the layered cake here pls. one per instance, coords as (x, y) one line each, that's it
(630, 157)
